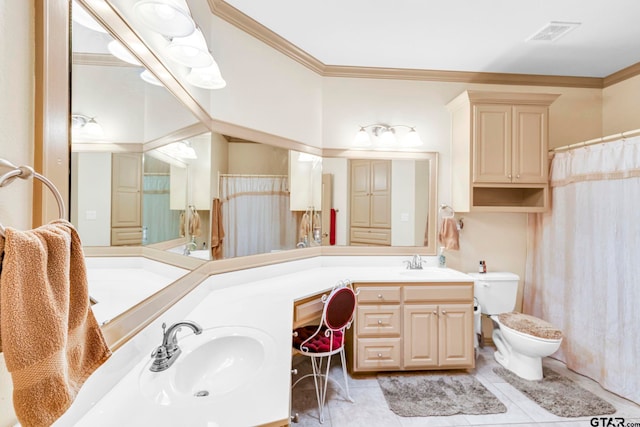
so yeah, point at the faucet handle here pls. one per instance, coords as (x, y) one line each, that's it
(408, 263)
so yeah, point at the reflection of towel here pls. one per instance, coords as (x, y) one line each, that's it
(50, 338)
(194, 224)
(332, 227)
(305, 226)
(217, 231)
(448, 236)
(183, 226)
(426, 233)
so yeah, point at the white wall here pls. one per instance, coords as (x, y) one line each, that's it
(403, 204)
(265, 89)
(136, 112)
(620, 106)
(16, 135)
(92, 180)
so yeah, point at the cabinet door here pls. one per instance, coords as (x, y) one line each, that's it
(529, 164)
(455, 335)
(380, 194)
(420, 335)
(126, 199)
(360, 189)
(492, 143)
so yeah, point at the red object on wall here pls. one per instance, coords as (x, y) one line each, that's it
(332, 227)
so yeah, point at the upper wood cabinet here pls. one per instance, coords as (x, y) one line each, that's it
(370, 199)
(499, 151)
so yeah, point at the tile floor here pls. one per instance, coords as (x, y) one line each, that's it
(370, 408)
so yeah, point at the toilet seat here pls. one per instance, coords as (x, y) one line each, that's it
(530, 326)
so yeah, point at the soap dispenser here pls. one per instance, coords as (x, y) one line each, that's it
(442, 260)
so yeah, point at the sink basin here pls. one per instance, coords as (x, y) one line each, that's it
(218, 362)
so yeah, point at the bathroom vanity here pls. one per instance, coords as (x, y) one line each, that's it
(413, 326)
(404, 324)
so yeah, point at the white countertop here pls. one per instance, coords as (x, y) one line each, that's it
(260, 298)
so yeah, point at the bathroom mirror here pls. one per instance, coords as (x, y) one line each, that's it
(193, 120)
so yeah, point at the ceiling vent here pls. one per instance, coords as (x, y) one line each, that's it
(553, 31)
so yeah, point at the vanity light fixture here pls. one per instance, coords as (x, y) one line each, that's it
(148, 77)
(85, 126)
(119, 51)
(82, 17)
(207, 77)
(181, 150)
(386, 135)
(190, 51)
(171, 18)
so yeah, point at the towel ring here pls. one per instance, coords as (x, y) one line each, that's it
(24, 172)
(447, 209)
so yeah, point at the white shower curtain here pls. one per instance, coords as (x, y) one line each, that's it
(583, 263)
(255, 215)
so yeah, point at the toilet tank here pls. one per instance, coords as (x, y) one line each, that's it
(496, 292)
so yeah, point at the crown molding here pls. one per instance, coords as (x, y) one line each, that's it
(252, 27)
(624, 74)
(235, 17)
(99, 59)
(462, 76)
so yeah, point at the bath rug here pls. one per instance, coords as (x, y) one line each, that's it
(558, 394)
(423, 395)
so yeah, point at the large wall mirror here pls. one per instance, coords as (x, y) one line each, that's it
(186, 166)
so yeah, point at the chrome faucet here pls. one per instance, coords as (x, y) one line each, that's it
(191, 246)
(415, 263)
(168, 352)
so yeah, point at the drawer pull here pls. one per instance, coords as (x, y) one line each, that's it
(379, 322)
(435, 312)
(379, 355)
(380, 296)
(444, 312)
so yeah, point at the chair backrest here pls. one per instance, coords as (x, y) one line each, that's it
(339, 308)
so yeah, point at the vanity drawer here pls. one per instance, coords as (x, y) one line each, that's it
(378, 294)
(307, 310)
(378, 354)
(439, 293)
(378, 320)
(371, 236)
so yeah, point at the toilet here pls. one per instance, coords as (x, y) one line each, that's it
(521, 340)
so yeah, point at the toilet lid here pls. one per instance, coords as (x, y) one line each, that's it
(530, 325)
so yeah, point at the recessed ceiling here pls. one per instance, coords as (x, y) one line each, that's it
(458, 35)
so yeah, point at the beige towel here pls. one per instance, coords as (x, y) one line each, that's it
(50, 338)
(448, 235)
(305, 226)
(217, 230)
(182, 226)
(194, 224)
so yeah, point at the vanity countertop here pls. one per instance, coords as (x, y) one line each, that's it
(265, 304)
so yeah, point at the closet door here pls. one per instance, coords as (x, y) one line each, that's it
(360, 193)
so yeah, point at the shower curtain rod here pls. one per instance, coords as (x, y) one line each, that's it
(614, 137)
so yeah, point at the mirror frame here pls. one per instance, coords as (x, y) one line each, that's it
(53, 126)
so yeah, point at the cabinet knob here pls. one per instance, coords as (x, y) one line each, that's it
(435, 312)
(509, 176)
(444, 312)
(380, 296)
(518, 176)
(379, 322)
(379, 355)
